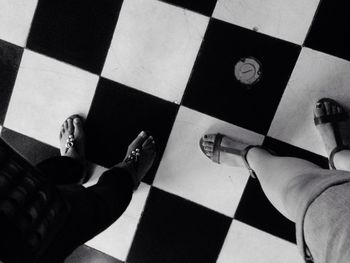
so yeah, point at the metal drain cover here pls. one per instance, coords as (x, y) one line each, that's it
(248, 71)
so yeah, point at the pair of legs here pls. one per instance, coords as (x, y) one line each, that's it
(94, 208)
(283, 178)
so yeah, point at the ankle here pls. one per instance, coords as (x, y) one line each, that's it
(341, 160)
(256, 156)
(254, 153)
(128, 167)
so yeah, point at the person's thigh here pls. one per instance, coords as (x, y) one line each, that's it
(327, 228)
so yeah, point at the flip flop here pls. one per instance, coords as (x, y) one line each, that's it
(134, 156)
(70, 142)
(334, 119)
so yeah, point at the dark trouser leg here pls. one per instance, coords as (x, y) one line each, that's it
(92, 210)
(62, 170)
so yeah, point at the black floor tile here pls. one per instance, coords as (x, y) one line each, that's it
(205, 7)
(174, 230)
(214, 89)
(31, 149)
(10, 59)
(285, 149)
(117, 115)
(78, 32)
(85, 254)
(330, 29)
(255, 209)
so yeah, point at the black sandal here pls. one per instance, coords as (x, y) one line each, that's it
(334, 119)
(133, 157)
(70, 143)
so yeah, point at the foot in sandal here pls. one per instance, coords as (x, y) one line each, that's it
(223, 149)
(72, 138)
(139, 157)
(330, 119)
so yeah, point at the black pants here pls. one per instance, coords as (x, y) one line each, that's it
(92, 209)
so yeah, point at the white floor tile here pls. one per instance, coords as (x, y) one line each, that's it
(245, 244)
(116, 240)
(187, 172)
(315, 76)
(154, 47)
(286, 19)
(46, 92)
(15, 19)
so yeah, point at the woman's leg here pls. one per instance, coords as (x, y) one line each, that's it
(95, 208)
(278, 176)
(285, 179)
(282, 178)
(92, 210)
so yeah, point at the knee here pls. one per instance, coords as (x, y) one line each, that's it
(298, 190)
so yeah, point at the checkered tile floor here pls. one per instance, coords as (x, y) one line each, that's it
(169, 67)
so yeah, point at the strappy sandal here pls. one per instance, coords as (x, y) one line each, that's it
(334, 119)
(133, 158)
(217, 149)
(70, 142)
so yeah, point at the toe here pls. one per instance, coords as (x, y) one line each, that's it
(208, 148)
(339, 109)
(334, 109)
(60, 135)
(207, 143)
(209, 154)
(148, 143)
(139, 140)
(70, 127)
(328, 107)
(319, 110)
(77, 126)
(209, 137)
(65, 125)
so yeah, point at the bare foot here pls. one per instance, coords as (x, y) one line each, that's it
(230, 150)
(72, 138)
(139, 157)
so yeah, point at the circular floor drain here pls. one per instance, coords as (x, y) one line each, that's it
(248, 71)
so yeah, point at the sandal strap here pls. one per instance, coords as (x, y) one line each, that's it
(133, 157)
(69, 142)
(216, 149)
(333, 152)
(244, 157)
(338, 117)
